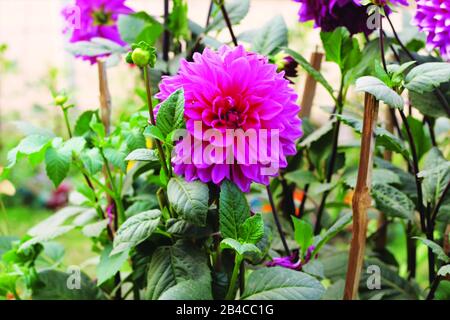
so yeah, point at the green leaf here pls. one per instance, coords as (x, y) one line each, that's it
(233, 210)
(55, 286)
(236, 9)
(135, 139)
(300, 177)
(435, 174)
(271, 37)
(57, 164)
(437, 249)
(281, 284)
(252, 230)
(380, 91)
(379, 176)
(142, 155)
(428, 76)
(51, 234)
(74, 145)
(428, 103)
(82, 126)
(310, 70)
(189, 199)
(116, 158)
(92, 160)
(94, 230)
(341, 48)
(337, 227)
(95, 47)
(241, 248)
(138, 27)
(109, 264)
(303, 234)
(154, 132)
(178, 20)
(135, 230)
(392, 202)
(171, 113)
(384, 137)
(174, 265)
(444, 271)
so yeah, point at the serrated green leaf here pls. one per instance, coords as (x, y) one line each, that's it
(142, 155)
(241, 248)
(271, 37)
(392, 202)
(380, 91)
(171, 113)
(337, 227)
(427, 76)
(303, 234)
(92, 160)
(189, 199)
(281, 284)
(135, 230)
(252, 230)
(57, 164)
(109, 264)
(437, 249)
(233, 210)
(236, 9)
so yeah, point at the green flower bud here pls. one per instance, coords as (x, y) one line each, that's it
(61, 99)
(129, 58)
(140, 57)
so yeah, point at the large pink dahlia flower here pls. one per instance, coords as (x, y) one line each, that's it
(228, 93)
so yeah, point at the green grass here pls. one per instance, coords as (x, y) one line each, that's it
(77, 247)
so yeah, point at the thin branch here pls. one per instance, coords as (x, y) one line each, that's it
(277, 222)
(228, 22)
(166, 35)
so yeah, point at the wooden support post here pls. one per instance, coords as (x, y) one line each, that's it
(309, 90)
(361, 199)
(105, 96)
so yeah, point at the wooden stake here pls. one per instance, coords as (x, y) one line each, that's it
(105, 96)
(361, 198)
(309, 90)
(447, 240)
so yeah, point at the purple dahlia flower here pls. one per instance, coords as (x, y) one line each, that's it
(331, 14)
(97, 19)
(229, 93)
(433, 17)
(293, 261)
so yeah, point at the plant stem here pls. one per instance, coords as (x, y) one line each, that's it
(228, 22)
(439, 203)
(148, 89)
(277, 222)
(237, 263)
(166, 35)
(208, 18)
(383, 58)
(330, 169)
(411, 251)
(66, 120)
(433, 288)
(415, 169)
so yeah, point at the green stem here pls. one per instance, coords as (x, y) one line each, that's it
(148, 88)
(66, 120)
(116, 193)
(237, 263)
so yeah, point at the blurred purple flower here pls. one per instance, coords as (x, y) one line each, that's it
(293, 261)
(433, 17)
(331, 14)
(97, 19)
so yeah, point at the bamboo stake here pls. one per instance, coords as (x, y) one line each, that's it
(105, 96)
(361, 198)
(309, 90)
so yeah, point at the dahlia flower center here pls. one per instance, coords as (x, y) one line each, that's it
(227, 113)
(102, 17)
